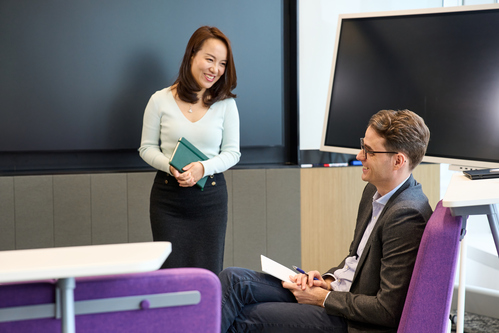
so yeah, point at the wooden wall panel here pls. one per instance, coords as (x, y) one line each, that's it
(139, 186)
(7, 215)
(229, 235)
(264, 217)
(34, 211)
(429, 177)
(286, 214)
(249, 217)
(109, 208)
(72, 210)
(283, 216)
(329, 199)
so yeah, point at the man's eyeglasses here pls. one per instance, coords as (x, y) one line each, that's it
(372, 152)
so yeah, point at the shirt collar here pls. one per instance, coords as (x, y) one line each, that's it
(384, 199)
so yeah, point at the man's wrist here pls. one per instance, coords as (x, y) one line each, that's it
(328, 278)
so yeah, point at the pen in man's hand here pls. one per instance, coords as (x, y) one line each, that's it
(299, 270)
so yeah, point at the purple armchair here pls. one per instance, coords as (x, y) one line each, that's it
(428, 301)
(169, 300)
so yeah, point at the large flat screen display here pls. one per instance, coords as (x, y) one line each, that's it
(76, 75)
(440, 63)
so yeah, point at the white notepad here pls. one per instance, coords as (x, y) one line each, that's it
(275, 269)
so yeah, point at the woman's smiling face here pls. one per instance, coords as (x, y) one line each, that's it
(208, 64)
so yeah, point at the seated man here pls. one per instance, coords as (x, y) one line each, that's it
(367, 290)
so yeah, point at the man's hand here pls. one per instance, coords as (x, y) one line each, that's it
(310, 295)
(311, 279)
(309, 288)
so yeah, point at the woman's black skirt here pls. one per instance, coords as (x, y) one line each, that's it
(194, 221)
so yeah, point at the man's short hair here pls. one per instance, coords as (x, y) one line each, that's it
(404, 131)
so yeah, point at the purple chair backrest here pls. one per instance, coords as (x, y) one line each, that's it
(428, 301)
(202, 317)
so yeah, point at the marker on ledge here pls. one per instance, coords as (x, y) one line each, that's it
(332, 165)
(325, 165)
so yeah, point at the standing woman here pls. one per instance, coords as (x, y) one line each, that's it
(199, 106)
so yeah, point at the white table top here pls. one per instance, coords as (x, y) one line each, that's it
(464, 192)
(79, 261)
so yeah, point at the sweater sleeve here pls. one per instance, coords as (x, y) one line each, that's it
(150, 150)
(229, 153)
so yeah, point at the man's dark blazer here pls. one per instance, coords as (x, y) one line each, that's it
(381, 281)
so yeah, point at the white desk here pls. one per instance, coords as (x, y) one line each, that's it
(67, 263)
(467, 197)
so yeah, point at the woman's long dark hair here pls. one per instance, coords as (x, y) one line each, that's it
(187, 86)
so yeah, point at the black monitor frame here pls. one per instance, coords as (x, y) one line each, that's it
(459, 124)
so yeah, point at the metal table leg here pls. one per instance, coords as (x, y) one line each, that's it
(462, 287)
(493, 217)
(67, 306)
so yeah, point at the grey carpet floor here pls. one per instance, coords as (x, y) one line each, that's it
(478, 324)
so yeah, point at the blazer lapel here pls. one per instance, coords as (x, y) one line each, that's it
(363, 257)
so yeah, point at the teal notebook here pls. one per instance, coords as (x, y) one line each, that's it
(185, 153)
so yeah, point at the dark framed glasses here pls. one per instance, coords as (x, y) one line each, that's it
(372, 152)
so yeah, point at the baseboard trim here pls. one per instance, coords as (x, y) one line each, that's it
(481, 301)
